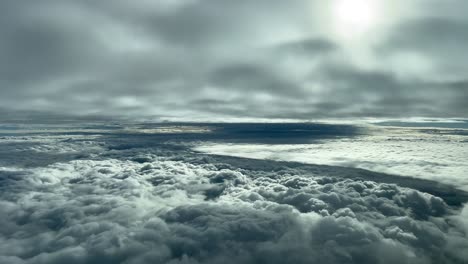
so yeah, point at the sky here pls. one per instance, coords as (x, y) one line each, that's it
(204, 59)
(321, 131)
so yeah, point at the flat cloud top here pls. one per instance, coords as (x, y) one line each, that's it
(429, 153)
(222, 59)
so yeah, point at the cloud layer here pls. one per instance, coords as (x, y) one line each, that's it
(430, 153)
(206, 58)
(120, 200)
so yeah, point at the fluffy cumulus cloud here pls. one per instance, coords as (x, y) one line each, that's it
(205, 58)
(127, 202)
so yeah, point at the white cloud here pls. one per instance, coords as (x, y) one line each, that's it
(436, 156)
(167, 204)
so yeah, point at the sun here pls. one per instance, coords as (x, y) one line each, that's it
(355, 16)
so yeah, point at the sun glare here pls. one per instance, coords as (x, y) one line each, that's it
(355, 16)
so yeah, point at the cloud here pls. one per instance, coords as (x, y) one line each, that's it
(437, 38)
(392, 150)
(168, 204)
(208, 59)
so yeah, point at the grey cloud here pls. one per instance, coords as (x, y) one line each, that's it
(204, 23)
(307, 47)
(254, 78)
(438, 35)
(383, 93)
(440, 39)
(157, 59)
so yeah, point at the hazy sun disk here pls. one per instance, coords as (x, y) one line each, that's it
(355, 16)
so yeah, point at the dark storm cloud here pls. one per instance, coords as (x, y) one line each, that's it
(216, 58)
